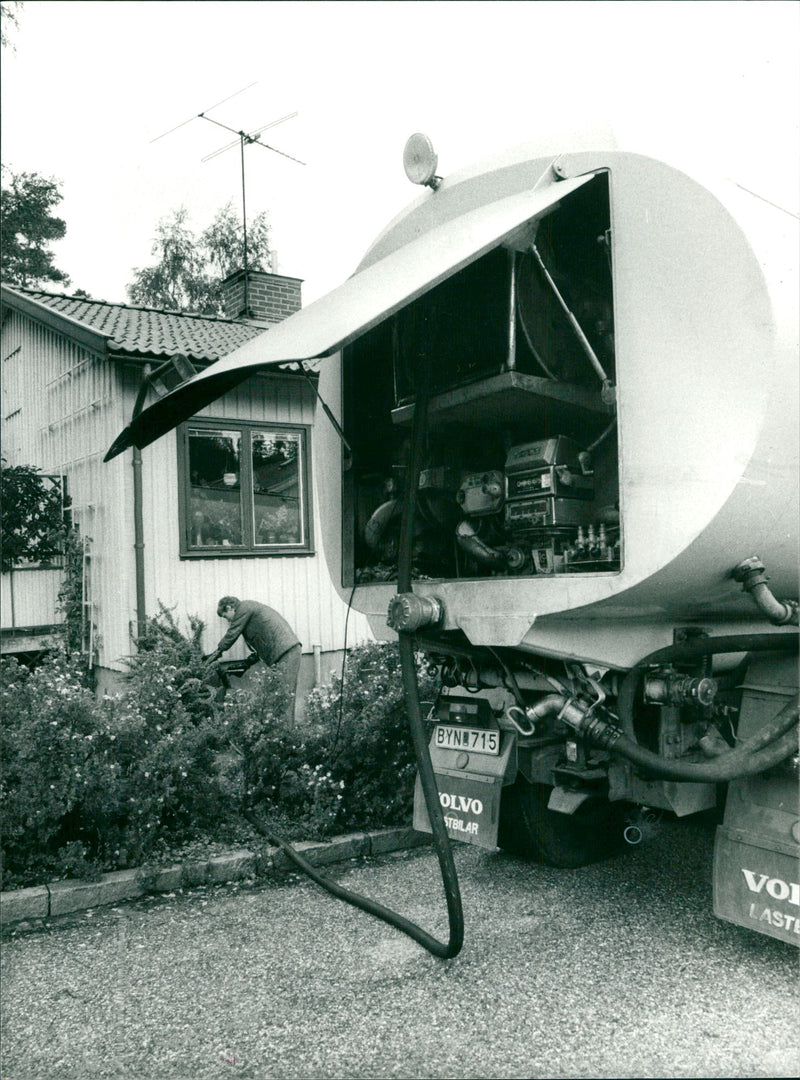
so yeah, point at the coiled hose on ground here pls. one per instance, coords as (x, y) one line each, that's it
(427, 778)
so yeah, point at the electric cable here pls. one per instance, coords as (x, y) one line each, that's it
(529, 341)
(344, 662)
(601, 438)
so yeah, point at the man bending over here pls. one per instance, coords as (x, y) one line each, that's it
(269, 636)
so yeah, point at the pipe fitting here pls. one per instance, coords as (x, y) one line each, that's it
(409, 612)
(469, 541)
(579, 716)
(751, 573)
(671, 688)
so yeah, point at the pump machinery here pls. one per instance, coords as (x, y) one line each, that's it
(565, 391)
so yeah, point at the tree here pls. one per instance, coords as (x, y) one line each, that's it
(224, 242)
(33, 527)
(27, 227)
(191, 268)
(178, 280)
(9, 17)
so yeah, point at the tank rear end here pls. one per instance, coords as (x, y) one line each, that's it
(612, 414)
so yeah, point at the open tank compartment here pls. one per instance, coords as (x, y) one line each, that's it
(521, 473)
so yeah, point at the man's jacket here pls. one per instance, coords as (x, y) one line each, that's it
(264, 630)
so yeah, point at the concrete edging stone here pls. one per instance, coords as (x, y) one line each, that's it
(65, 897)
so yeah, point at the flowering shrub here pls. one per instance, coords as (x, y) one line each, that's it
(96, 783)
(47, 748)
(364, 735)
(92, 784)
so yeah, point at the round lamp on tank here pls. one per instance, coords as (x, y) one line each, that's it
(420, 161)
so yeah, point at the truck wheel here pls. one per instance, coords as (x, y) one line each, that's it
(528, 828)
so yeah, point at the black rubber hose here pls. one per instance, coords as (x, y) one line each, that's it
(754, 756)
(411, 692)
(371, 907)
(687, 651)
(427, 778)
(441, 840)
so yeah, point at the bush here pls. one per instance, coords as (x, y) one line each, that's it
(108, 778)
(94, 784)
(371, 754)
(155, 753)
(351, 762)
(46, 745)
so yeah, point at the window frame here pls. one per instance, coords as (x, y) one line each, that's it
(248, 550)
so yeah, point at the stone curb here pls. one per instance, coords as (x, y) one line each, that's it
(65, 897)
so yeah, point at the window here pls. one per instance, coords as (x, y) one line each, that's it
(244, 489)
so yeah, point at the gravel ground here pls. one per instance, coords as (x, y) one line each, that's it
(617, 970)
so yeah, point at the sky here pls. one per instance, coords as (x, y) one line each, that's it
(89, 90)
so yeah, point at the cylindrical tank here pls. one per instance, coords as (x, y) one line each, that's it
(705, 314)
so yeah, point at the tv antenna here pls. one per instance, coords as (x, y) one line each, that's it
(244, 138)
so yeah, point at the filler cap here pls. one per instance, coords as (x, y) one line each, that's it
(408, 612)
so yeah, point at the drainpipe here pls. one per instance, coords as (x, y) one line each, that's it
(138, 515)
(11, 597)
(317, 665)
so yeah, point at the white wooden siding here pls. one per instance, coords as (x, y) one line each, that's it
(29, 597)
(63, 406)
(299, 586)
(65, 410)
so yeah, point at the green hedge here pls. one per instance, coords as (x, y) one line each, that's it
(91, 784)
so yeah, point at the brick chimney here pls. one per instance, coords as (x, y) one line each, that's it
(269, 297)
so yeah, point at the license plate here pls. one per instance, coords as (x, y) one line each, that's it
(476, 740)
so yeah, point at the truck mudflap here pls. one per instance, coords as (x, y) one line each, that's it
(756, 885)
(470, 786)
(757, 848)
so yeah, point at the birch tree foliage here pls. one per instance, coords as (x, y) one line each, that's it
(190, 267)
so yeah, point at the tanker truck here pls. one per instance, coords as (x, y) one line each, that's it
(565, 391)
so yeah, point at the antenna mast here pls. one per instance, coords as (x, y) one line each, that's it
(247, 139)
(243, 138)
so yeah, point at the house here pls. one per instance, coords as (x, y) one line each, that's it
(227, 504)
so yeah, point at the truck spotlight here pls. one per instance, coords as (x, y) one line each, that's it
(420, 161)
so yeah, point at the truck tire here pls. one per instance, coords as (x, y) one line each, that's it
(529, 829)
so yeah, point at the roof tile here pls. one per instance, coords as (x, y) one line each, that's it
(150, 332)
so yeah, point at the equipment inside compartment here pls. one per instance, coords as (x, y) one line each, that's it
(520, 474)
